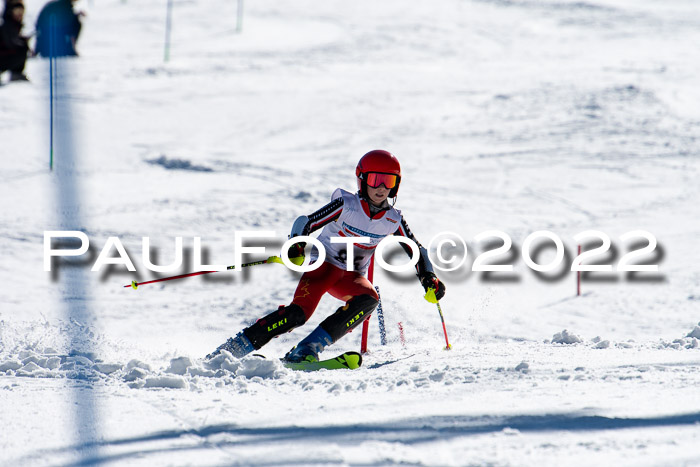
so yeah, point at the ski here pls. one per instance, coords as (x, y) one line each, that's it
(347, 361)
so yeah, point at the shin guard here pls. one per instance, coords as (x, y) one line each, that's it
(282, 320)
(347, 317)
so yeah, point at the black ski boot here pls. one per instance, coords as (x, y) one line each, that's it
(344, 320)
(282, 320)
(308, 349)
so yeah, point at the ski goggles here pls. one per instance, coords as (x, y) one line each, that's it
(375, 180)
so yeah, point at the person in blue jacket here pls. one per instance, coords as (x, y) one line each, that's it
(57, 29)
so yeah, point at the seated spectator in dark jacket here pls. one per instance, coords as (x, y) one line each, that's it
(57, 29)
(13, 46)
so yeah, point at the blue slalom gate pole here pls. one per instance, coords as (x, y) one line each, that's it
(168, 27)
(380, 316)
(239, 19)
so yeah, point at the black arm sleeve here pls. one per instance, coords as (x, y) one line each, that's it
(318, 219)
(424, 265)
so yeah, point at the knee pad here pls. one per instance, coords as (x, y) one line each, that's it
(348, 317)
(282, 320)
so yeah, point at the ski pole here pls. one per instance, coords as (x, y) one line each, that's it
(271, 259)
(430, 296)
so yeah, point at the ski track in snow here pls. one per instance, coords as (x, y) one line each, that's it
(511, 115)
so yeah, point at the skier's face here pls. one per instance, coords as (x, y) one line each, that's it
(378, 195)
(18, 12)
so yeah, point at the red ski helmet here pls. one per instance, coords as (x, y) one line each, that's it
(377, 168)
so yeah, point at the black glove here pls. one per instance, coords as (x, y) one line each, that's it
(430, 281)
(296, 250)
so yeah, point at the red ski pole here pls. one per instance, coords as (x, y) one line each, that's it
(430, 296)
(271, 259)
(444, 329)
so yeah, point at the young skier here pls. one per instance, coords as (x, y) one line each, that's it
(364, 214)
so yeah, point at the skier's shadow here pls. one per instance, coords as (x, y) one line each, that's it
(409, 431)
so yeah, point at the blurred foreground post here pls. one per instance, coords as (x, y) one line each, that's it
(52, 84)
(68, 213)
(52, 67)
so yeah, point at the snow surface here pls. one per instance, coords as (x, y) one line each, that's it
(516, 116)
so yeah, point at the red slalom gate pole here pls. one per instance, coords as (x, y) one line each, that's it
(365, 323)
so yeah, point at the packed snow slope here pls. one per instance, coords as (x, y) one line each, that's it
(514, 116)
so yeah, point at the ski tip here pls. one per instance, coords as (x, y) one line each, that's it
(345, 361)
(134, 285)
(353, 360)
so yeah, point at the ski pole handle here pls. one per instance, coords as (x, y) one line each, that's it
(431, 292)
(430, 296)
